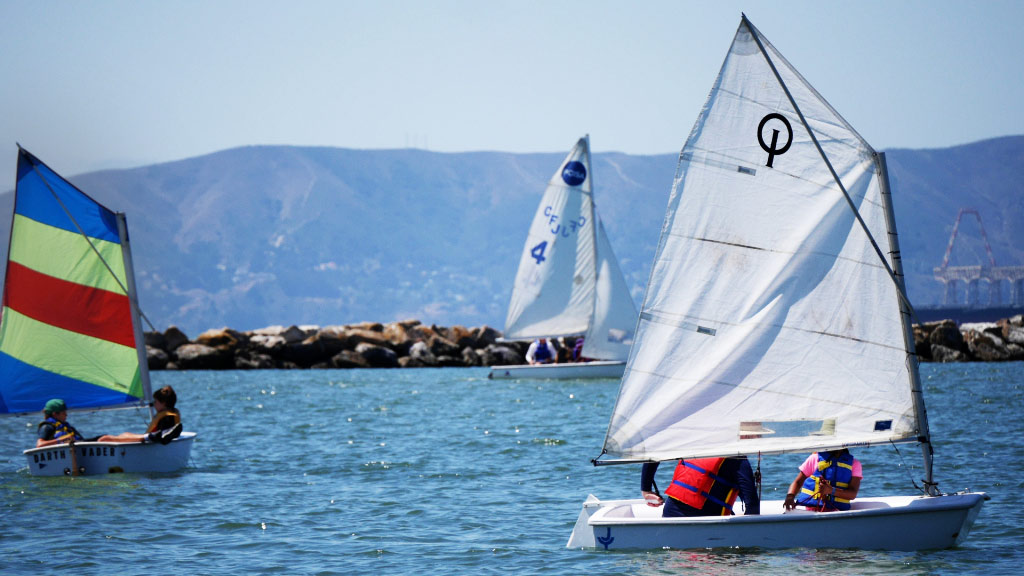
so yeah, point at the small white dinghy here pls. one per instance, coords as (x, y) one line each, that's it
(773, 323)
(891, 523)
(70, 327)
(92, 458)
(592, 369)
(568, 282)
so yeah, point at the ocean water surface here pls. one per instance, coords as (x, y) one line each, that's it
(441, 471)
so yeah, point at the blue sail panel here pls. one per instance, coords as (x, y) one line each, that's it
(35, 386)
(37, 185)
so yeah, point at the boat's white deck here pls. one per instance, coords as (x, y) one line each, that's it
(638, 509)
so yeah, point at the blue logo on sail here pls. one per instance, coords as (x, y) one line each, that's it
(574, 173)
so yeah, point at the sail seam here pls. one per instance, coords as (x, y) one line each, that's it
(763, 390)
(695, 326)
(739, 165)
(870, 264)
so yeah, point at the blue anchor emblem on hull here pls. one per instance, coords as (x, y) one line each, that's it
(606, 540)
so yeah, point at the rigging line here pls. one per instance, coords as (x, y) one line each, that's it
(757, 476)
(146, 318)
(856, 213)
(89, 241)
(904, 463)
(79, 228)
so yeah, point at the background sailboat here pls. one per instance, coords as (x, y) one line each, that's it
(70, 323)
(568, 282)
(773, 322)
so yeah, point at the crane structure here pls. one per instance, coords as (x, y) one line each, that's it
(972, 276)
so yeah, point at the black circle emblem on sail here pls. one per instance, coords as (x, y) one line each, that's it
(574, 173)
(773, 149)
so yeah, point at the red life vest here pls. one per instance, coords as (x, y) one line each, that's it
(696, 481)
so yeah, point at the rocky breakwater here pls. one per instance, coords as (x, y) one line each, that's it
(945, 341)
(407, 344)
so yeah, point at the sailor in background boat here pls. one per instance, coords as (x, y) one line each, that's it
(827, 481)
(577, 351)
(540, 352)
(704, 487)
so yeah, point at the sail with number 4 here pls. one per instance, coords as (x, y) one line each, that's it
(69, 327)
(773, 321)
(569, 282)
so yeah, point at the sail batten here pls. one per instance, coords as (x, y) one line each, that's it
(770, 323)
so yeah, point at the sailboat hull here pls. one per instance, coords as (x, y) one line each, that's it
(94, 458)
(595, 369)
(890, 523)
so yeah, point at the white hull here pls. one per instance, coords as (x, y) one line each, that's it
(892, 523)
(95, 458)
(595, 369)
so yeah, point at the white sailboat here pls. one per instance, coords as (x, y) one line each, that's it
(569, 282)
(774, 323)
(70, 325)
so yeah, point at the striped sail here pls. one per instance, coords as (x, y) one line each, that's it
(66, 329)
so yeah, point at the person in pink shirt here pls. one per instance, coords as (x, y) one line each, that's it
(826, 481)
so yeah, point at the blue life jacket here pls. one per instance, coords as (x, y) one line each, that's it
(542, 353)
(60, 428)
(838, 470)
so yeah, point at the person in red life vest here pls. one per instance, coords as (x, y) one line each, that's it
(704, 487)
(826, 481)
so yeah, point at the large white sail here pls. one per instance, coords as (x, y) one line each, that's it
(554, 289)
(611, 332)
(770, 323)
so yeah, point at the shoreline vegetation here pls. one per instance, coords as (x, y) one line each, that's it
(411, 344)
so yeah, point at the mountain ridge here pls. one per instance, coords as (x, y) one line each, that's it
(265, 235)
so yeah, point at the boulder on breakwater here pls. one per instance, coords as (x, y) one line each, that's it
(411, 344)
(945, 341)
(406, 344)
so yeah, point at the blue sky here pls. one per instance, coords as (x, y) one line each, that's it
(116, 84)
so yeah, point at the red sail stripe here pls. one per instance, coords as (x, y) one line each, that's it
(81, 309)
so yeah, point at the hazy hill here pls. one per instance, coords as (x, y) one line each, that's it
(256, 236)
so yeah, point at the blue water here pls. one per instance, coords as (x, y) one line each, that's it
(441, 471)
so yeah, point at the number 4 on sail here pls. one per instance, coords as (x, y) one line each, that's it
(569, 283)
(772, 306)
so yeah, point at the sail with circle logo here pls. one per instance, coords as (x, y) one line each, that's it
(568, 282)
(69, 327)
(773, 321)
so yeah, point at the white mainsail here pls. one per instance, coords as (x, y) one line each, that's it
(771, 322)
(568, 282)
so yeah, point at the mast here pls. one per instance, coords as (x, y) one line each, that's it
(593, 233)
(140, 343)
(924, 435)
